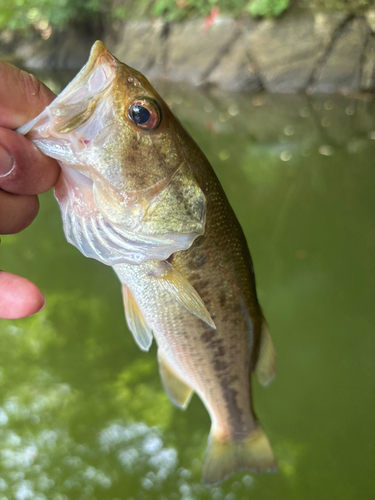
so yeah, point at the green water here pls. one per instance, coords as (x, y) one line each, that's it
(82, 411)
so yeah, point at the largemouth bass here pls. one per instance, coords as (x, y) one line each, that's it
(137, 194)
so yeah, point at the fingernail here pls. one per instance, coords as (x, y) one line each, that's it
(6, 162)
(43, 306)
(39, 310)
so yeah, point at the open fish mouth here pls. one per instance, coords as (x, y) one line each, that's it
(97, 74)
(87, 87)
(86, 128)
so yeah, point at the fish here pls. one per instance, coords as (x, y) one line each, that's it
(137, 194)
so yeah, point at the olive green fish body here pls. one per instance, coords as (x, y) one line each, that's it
(214, 363)
(137, 194)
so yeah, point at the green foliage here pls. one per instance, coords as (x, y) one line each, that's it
(268, 8)
(353, 6)
(19, 14)
(175, 10)
(179, 9)
(129, 9)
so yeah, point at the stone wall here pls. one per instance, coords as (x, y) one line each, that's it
(303, 51)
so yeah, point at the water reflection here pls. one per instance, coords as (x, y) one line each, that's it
(138, 446)
(82, 411)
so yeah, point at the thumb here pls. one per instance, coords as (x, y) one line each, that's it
(18, 297)
(22, 96)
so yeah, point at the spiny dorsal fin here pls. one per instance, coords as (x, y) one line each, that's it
(173, 282)
(265, 368)
(142, 333)
(224, 456)
(177, 390)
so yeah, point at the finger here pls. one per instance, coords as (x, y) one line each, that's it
(22, 96)
(23, 168)
(19, 297)
(16, 212)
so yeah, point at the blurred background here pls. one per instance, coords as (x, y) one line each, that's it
(279, 96)
(276, 45)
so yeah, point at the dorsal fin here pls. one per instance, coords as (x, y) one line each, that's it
(137, 324)
(177, 390)
(173, 282)
(265, 368)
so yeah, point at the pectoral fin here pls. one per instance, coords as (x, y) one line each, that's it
(178, 391)
(173, 282)
(137, 324)
(265, 367)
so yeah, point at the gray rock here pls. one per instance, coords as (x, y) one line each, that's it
(367, 83)
(341, 71)
(370, 17)
(142, 46)
(287, 51)
(300, 51)
(192, 49)
(326, 23)
(236, 70)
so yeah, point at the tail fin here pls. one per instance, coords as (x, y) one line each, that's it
(224, 457)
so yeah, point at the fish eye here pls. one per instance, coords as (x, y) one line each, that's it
(145, 113)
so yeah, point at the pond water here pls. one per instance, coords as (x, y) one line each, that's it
(82, 411)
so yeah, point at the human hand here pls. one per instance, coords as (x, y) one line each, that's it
(24, 173)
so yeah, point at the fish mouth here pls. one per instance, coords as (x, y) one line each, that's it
(95, 76)
(99, 55)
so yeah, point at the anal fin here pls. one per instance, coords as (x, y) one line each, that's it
(265, 368)
(177, 390)
(173, 282)
(137, 324)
